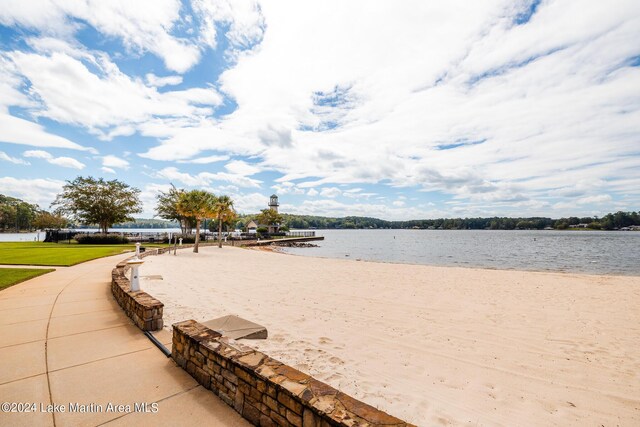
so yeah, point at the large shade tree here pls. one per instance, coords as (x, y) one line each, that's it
(198, 204)
(16, 213)
(46, 220)
(96, 201)
(167, 208)
(269, 217)
(224, 214)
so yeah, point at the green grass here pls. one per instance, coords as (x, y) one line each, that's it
(56, 254)
(13, 276)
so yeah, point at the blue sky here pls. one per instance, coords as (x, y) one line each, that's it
(393, 110)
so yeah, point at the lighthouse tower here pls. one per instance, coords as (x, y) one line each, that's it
(273, 203)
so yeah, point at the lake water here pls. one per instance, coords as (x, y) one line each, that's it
(20, 237)
(591, 252)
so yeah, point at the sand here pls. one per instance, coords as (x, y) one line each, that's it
(431, 345)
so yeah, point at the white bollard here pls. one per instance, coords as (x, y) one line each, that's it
(135, 278)
(135, 263)
(180, 240)
(138, 250)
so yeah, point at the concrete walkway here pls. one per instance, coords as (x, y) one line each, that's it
(65, 341)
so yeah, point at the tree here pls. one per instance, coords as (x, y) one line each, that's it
(269, 217)
(96, 201)
(7, 216)
(16, 213)
(46, 220)
(167, 208)
(198, 204)
(224, 214)
(25, 212)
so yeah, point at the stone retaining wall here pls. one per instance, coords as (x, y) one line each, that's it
(263, 390)
(142, 308)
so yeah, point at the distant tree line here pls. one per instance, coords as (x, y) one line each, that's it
(91, 202)
(17, 215)
(610, 221)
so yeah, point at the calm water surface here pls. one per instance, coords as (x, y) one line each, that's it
(591, 252)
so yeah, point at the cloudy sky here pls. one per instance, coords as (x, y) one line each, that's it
(397, 110)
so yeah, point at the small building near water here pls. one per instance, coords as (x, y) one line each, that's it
(252, 227)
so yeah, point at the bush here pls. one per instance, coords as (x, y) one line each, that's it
(100, 239)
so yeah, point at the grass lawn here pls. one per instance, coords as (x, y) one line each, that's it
(12, 276)
(57, 254)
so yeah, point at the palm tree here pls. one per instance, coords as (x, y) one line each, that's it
(167, 208)
(224, 213)
(198, 204)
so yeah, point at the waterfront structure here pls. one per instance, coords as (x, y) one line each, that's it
(252, 227)
(273, 203)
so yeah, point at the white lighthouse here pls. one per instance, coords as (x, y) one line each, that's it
(273, 203)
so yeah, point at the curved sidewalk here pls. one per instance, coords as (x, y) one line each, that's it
(65, 343)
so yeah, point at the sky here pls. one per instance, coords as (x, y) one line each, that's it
(396, 110)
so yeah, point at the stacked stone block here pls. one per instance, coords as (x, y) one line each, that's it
(142, 308)
(263, 390)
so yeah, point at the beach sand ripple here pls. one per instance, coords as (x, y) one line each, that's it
(432, 345)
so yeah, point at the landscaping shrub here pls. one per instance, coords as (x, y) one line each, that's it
(100, 239)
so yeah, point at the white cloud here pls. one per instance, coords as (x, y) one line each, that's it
(156, 81)
(448, 97)
(333, 208)
(242, 168)
(250, 203)
(205, 160)
(469, 104)
(243, 17)
(206, 178)
(38, 191)
(148, 196)
(126, 104)
(37, 154)
(238, 180)
(111, 161)
(14, 130)
(142, 25)
(330, 192)
(107, 170)
(287, 188)
(7, 158)
(65, 162)
(602, 198)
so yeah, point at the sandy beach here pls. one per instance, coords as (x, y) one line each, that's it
(431, 345)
